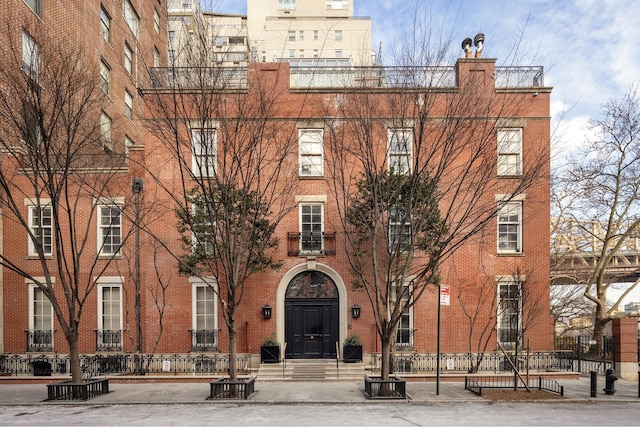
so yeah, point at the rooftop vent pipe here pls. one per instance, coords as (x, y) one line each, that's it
(466, 46)
(477, 42)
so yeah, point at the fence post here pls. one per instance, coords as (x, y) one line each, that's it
(594, 384)
(579, 354)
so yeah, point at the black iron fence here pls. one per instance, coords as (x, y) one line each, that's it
(474, 362)
(96, 365)
(476, 384)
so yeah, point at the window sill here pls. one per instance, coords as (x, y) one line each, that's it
(506, 254)
(37, 257)
(305, 177)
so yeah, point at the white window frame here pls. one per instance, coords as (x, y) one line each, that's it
(408, 315)
(104, 230)
(33, 290)
(30, 56)
(509, 228)
(399, 230)
(128, 104)
(131, 17)
(316, 35)
(337, 4)
(400, 158)
(210, 284)
(310, 226)
(510, 152)
(112, 283)
(286, 4)
(311, 152)
(105, 24)
(128, 58)
(39, 229)
(204, 151)
(156, 57)
(203, 239)
(505, 314)
(337, 35)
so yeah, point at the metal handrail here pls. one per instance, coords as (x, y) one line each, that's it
(337, 359)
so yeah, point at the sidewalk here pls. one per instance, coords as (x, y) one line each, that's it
(293, 392)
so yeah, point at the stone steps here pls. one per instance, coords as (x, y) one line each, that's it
(310, 370)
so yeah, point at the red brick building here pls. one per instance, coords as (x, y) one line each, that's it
(496, 278)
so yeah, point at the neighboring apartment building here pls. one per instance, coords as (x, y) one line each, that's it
(122, 39)
(309, 32)
(191, 33)
(181, 314)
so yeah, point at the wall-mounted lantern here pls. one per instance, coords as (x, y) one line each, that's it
(266, 312)
(355, 311)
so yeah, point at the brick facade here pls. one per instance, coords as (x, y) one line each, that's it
(473, 269)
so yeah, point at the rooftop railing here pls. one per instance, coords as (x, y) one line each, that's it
(333, 77)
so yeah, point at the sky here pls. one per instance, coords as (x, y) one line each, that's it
(590, 49)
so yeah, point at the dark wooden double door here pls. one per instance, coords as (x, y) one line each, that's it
(311, 328)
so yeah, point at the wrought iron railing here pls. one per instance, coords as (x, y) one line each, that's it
(466, 362)
(404, 339)
(311, 244)
(38, 340)
(204, 340)
(108, 340)
(96, 365)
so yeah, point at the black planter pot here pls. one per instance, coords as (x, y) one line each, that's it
(269, 353)
(352, 353)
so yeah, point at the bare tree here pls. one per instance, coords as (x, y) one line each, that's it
(60, 175)
(413, 165)
(236, 167)
(599, 193)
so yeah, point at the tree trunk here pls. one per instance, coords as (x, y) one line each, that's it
(233, 338)
(600, 326)
(385, 368)
(74, 357)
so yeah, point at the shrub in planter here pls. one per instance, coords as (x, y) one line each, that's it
(270, 351)
(352, 349)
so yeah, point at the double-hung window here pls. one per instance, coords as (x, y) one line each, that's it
(40, 337)
(105, 130)
(105, 24)
(509, 306)
(128, 58)
(510, 227)
(205, 324)
(131, 17)
(128, 104)
(400, 142)
(509, 152)
(399, 230)
(202, 229)
(105, 76)
(109, 316)
(404, 335)
(30, 56)
(109, 229)
(36, 6)
(156, 21)
(204, 151)
(311, 227)
(40, 225)
(310, 152)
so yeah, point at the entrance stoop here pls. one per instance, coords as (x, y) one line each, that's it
(311, 370)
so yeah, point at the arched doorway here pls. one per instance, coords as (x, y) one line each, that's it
(311, 316)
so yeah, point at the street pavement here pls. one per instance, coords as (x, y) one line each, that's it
(315, 403)
(291, 392)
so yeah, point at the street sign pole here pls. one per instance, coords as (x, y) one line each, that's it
(438, 346)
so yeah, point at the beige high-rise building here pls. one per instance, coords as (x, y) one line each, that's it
(201, 38)
(309, 32)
